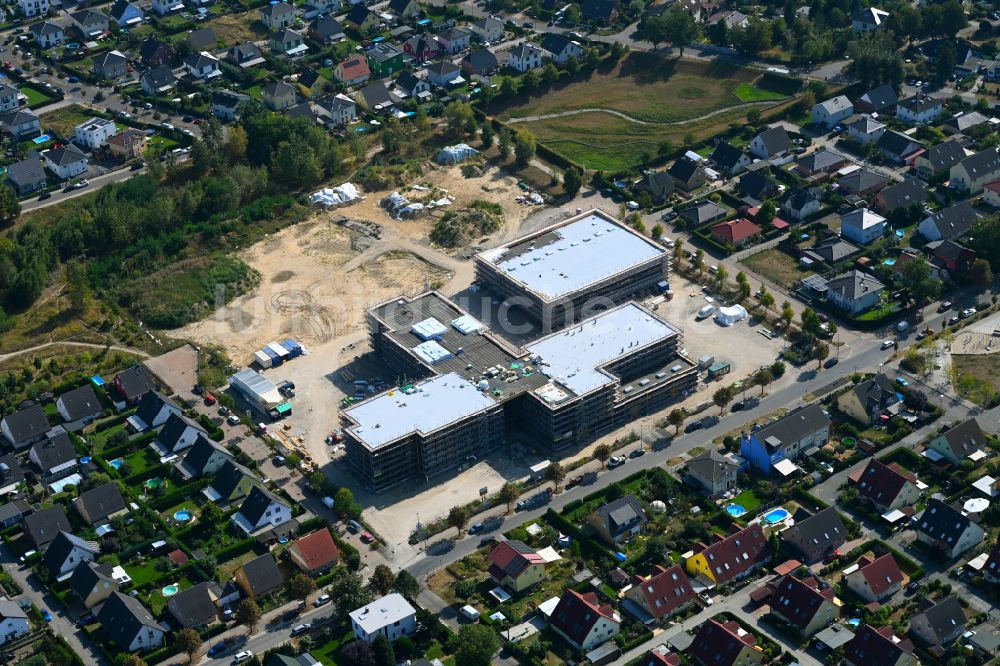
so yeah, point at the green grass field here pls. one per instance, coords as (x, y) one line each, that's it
(751, 93)
(36, 97)
(777, 267)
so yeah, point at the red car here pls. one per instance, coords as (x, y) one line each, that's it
(209, 399)
(366, 537)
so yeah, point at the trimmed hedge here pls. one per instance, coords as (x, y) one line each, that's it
(111, 422)
(588, 546)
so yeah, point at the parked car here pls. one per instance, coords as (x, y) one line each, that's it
(233, 420)
(278, 460)
(223, 411)
(46, 615)
(638, 453)
(944, 307)
(694, 425)
(967, 312)
(327, 502)
(616, 461)
(476, 528)
(912, 588)
(301, 628)
(210, 399)
(830, 362)
(707, 600)
(321, 600)
(886, 344)
(952, 321)
(245, 655)
(902, 381)
(366, 537)
(44, 195)
(218, 648)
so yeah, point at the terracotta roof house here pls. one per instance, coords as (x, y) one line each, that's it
(732, 557)
(964, 440)
(515, 565)
(875, 579)
(807, 604)
(724, 644)
(888, 487)
(583, 621)
(661, 595)
(878, 647)
(818, 535)
(352, 71)
(660, 656)
(315, 553)
(736, 233)
(941, 624)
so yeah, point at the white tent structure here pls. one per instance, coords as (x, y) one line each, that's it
(455, 154)
(730, 315)
(330, 197)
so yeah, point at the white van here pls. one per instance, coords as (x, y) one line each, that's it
(470, 613)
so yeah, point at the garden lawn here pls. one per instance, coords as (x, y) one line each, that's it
(228, 568)
(144, 573)
(35, 96)
(142, 460)
(776, 266)
(748, 500)
(328, 653)
(750, 93)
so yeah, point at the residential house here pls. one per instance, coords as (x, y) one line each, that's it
(831, 251)
(773, 142)
(153, 411)
(832, 111)
(111, 65)
(340, 109)
(940, 158)
(524, 57)
(362, 19)
(129, 624)
(311, 83)
(66, 162)
(972, 173)
(687, 174)
(165, 7)
(277, 15)
(962, 122)
(319, 8)
(99, 505)
(204, 458)
(21, 124)
(702, 213)
(443, 74)
(94, 133)
(196, 606)
(732, 557)
(864, 129)
(488, 29)
(516, 566)
(786, 438)
(202, 66)
(245, 55)
(25, 426)
(422, 47)
(919, 109)
(898, 147)
(866, 402)
(177, 434)
(260, 577)
(863, 226)
(375, 97)
(946, 529)
(888, 487)
(90, 24)
(730, 159)
(13, 621)
(991, 191)
(991, 570)
(618, 521)
(736, 233)
(583, 621)
(384, 60)
(404, 9)
(660, 656)
(41, 527)
(661, 595)
(600, 12)
(133, 383)
(26, 176)
(950, 256)
(233, 481)
(807, 604)
(10, 474)
(352, 71)
(659, 184)
(906, 193)
(155, 53)
(480, 62)
(158, 80)
(560, 48)
(54, 456)
(878, 647)
(93, 583)
(818, 535)
(732, 19)
(128, 144)
(48, 34)
(965, 440)
(225, 104)
(757, 184)
(279, 95)
(411, 86)
(288, 43)
(391, 616)
(14, 512)
(875, 579)
(454, 40)
(315, 553)
(713, 473)
(10, 98)
(877, 100)
(724, 644)
(868, 19)
(202, 39)
(941, 624)
(127, 14)
(67, 552)
(949, 223)
(326, 30)
(261, 510)
(32, 8)
(854, 292)
(820, 163)
(800, 203)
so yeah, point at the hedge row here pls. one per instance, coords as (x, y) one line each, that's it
(187, 492)
(589, 548)
(906, 565)
(111, 422)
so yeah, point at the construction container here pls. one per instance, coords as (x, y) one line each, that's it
(293, 347)
(262, 359)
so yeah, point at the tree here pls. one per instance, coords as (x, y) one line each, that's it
(248, 614)
(680, 28)
(766, 213)
(189, 642)
(508, 87)
(10, 208)
(460, 119)
(572, 180)
(676, 419)
(383, 652)
(766, 299)
(555, 473)
(464, 588)
(475, 645)
(762, 378)
(76, 285)
(317, 481)
(602, 452)
(980, 272)
(531, 79)
(875, 61)
(407, 585)
(743, 285)
(458, 516)
(382, 580)
(820, 351)
(699, 261)
(346, 506)
(211, 514)
(133, 660)
(722, 397)
(721, 277)
(752, 38)
(524, 147)
(679, 250)
(787, 313)
(358, 653)
(509, 492)
(486, 135)
(915, 276)
(504, 143)
(653, 29)
(572, 66)
(301, 586)
(657, 231)
(550, 74)
(349, 592)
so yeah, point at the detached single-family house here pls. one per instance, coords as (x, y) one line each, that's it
(949, 223)
(326, 30)
(724, 644)
(757, 184)
(481, 61)
(422, 47)
(411, 86)
(54, 456)
(154, 53)
(950, 256)
(48, 34)
(941, 624)
(661, 595)
(128, 144)
(888, 487)
(197, 606)
(854, 292)
(66, 162)
(962, 122)
(340, 108)
(862, 226)
(818, 535)
(875, 580)
(320, 8)
(866, 402)
(384, 60)
(225, 104)
(713, 473)
(315, 553)
(831, 251)
(91, 24)
(26, 176)
(601, 12)
(454, 40)
(311, 83)
(732, 557)
(99, 505)
(133, 383)
(391, 616)
(93, 583)
(584, 621)
(442, 74)
(898, 147)
(94, 133)
(822, 162)
(877, 100)
(260, 577)
(13, 621)
(202, 66)
(865, 129)
(288, 43)
(869, 19)
(516, 566)
(375, 97)
(279, 95)
(277, 15)
(618, 521)
(25, 427)
(352, 71)
(832, 111)
(807, 604)
(165, 7)
(737, 233)
(10, 473)
(560, 48)
(940, 158)
(786, 439)
(524, 57)
(878, 647)
(32, 8)
(204, 458)
(10, 98)
(362, 19)
(973, 172)
(687, 174)
(245, 55)
(153, 411)
(129, 624)
(919, 109)
(158, 80)
(41, 527)
(947, 529)
(261, 510)
(991, 570)
(659, 184)
(404, 9)
(127, 14)
(14, 512)
(730, 159)
(177, 434)
(965, 440)
(487, 29)
(903, 194)
(773, 142)
(233, 481)
(67, 552)
(800, 203)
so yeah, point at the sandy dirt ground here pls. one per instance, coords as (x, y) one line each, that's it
(978, 338)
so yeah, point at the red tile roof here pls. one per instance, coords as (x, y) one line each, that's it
(317, 550)
(354, 68)
(736, 231)
(737, 553)
(178, 557)
(875, 647)
(995, 186)
(665, 591)
(881, 483)
(512, 558)
(881, 573)
(659, 656)
(718, 644)
(576, 614)
(787, 567)
(798, 601)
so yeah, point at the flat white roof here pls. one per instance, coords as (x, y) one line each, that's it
(586, 251)
(433, 404)
(572, 356)
(382, 612)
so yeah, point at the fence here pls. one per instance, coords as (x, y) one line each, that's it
(750, 251)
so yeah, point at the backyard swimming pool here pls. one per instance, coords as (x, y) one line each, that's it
(183, 515)
(116, 463)
(170, 590)
(735, 510)
(41, 139)
(774, 516)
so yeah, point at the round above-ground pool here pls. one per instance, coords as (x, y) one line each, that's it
(848, 441)
(735, 510)
(117, 463)
(854, 622)
(775, 516)
(170, 590)
(153, 483)
(84, 460)
(182, 515)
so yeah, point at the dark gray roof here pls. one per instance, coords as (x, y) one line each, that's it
(159, 77)
(375, 94)
(965, 438)
(945, 155)
(942, 522)
(726, 155)
(28, 170)
(120, 7)
(228, 477)
(194, 607)
(442, 68)
(199, 60)
(832, 250)
(90, 17)
(945, 616)
(920, 103)
(151, 48)
(703, 212)
(150, 406)
(10, 471)
(43, 526)
(262, 573)
(228, 98)
(87, 575)
(47, 28)
(201, 452)
(358, 14)
(984, 162)
(854, 284)
(620, 512)
(123, 617)
(823, 527)
(110, 58)
(905, 193)
(684, 170)
(876, 393)
(775, 140)
(27, 423)
(16, 509)
(555, 43)
(135, 381)
(966, 120)
(98, 503)
(81, 402)
(54, 450)
(836, 104)
(797, 197)
(481, 59)
(326, 27)
(308, 77)
(277, 9)
(68, 154)
(954, 221)
(174, 429)
(409, 82)
(757, 184)
(822, 160)
(711, 465)
(861, 180)
(897, 143)
(279, 89)
(880, 97)
(63, 545)
(256, 503)
(794, 426)
(245, 51)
